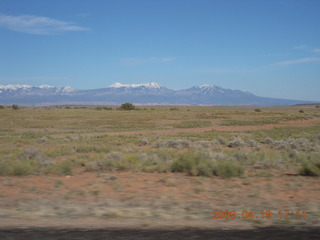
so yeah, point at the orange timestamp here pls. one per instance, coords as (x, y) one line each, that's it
(268, 214)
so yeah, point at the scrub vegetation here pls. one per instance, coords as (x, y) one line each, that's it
(159, 162)
(56, 140)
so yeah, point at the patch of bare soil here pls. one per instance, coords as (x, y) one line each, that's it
(153, 200)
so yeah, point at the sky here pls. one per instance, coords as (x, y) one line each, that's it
(270, 48)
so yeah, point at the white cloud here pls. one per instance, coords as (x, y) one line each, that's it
(37, 25)
(140, 61)
(307, 48)
(297, 61)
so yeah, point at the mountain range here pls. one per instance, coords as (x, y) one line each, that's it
(144, 93)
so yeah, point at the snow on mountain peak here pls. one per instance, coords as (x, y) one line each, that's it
(14, 87)
(211, 88)
(44, 86)
(66, 90)
(206, 86)
(147, 85)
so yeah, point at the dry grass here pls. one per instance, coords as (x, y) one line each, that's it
(193, 162)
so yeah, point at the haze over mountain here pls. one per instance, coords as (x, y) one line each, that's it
(143, 93)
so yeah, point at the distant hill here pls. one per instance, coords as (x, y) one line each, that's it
(144, 93)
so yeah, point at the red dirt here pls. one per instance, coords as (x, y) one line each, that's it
(164, 191)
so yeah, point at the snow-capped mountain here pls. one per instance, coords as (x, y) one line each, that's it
(143, 93)
(13, 88)
(36, 90)
(146, 85)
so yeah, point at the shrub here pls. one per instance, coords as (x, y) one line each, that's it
(195, 164)
(228, 169)
(252, 143)
(127, 106)
(221, 140)
(310, 167)
(268, 141)
(21, 168)
(114, 161)
(63, 167)
(15, 107)
(301, 111)
(178, 144)
(236, 142)
(198, 164)
(257, 110)
(1, 107)
(93, 166)
(143, 142)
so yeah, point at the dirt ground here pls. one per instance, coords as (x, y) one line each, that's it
(168, 196)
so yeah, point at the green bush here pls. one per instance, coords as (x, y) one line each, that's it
(195, 164)
(1, 107)
(114, 161)
(21, 168)
(310, 167)
(198, 164)
(228, 168)
(127, 106)
(17, 167)
(63, 168)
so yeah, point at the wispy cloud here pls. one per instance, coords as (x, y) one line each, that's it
(307, 48)
(297, 61)
(149, 60)
(37, 25)
(316, 50)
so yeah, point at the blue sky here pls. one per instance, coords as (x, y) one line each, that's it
(267, 47)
